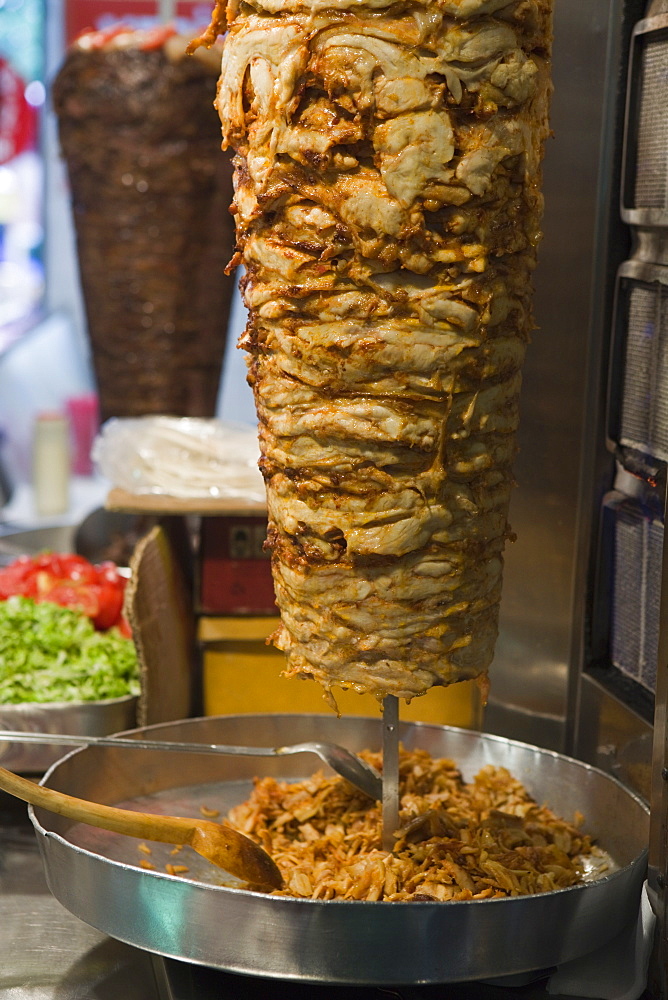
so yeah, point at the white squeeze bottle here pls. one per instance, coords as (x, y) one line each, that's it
(51, 464)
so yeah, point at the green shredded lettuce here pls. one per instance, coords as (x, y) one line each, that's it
(50, 654)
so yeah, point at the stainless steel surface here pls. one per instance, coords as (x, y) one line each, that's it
(617, 739)
(657, 881)
(341, 760)
(540, 609)
(56, 538)
(86, 719)
(390, 785)
(199, 920)
(613, 715)
(46, 953)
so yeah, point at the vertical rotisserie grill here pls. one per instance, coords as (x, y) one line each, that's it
(150, 190)
(388, 210)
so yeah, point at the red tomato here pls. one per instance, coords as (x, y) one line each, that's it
(123, 626)
(44, 580)
(18, 578)
(110, 606)
(49, 562)
(107, 572)
(72, 595)
(71, 581)
(78, 568)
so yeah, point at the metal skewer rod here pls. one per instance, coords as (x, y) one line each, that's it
(390, 770)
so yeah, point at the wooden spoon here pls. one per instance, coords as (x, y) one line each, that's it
(222, 845)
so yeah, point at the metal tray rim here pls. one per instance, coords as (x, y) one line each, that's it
(30, 706)
(290, 900)
(348, 903)
(277, 937)
(426, 726)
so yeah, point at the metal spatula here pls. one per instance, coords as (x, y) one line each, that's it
(344, 762)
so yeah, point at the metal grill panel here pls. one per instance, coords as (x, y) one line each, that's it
(626, 613)
(638, 547)
(651, 167)
(644, 404)
(652, 575)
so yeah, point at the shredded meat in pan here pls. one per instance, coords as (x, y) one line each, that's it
(479, 840)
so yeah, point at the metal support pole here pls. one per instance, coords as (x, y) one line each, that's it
(390, 770)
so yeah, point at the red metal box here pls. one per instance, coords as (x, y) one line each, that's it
(235, 570)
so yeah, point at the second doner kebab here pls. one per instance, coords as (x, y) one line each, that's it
(388, 208)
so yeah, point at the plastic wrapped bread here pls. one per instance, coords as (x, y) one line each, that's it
(388, 207)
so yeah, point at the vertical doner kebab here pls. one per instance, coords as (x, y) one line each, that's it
(388, 211)
(150, 190)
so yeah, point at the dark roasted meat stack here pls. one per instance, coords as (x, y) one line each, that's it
(388, 199)
(150, 193)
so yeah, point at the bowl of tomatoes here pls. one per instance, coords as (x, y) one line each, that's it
(68, 663)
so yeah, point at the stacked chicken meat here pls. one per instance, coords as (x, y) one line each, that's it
(388, 209)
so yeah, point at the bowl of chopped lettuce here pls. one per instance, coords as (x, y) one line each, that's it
(59, 673)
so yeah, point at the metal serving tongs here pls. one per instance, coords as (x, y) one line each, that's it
(344, 762)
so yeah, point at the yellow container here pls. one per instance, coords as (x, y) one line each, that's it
(242, 674)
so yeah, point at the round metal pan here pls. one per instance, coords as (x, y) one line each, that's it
(202, 919)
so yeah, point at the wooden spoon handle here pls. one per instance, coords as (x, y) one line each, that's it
(218, 843)
(171, 829)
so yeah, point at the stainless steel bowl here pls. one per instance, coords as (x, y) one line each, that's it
(92, 718)
(198, 919)
(32, 541)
